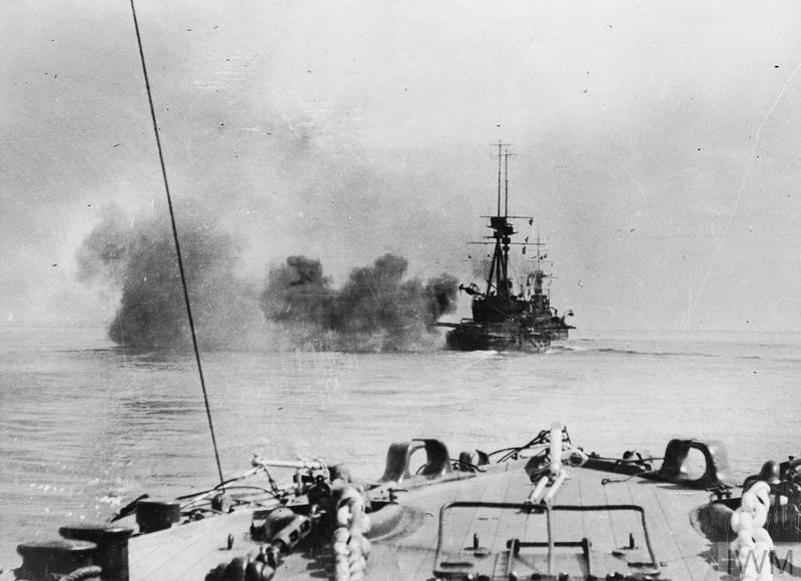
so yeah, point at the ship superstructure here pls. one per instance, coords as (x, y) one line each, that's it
(504, 319)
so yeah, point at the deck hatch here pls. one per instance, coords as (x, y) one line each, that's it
(482, 561)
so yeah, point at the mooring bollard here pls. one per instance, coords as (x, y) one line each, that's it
(157, 515)
(112, 546)
(41, 559)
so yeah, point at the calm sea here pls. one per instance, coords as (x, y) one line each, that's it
(85, 427)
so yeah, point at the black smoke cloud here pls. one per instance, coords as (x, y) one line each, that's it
(376, 310)
(139, 259)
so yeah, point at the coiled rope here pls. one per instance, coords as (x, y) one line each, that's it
(351, 547)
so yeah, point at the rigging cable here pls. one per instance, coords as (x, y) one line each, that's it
(177, 244)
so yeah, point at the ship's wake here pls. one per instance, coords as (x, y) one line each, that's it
(615, 351)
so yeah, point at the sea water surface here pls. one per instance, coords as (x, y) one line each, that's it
(86, 427)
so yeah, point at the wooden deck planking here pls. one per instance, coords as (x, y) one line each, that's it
(508, 523)
(628, 524)
(496, 529)
(618, 492)
(414, 554)
(462, 523)
(671, 528)
(604, 529)
(194, 548)
(667, 511)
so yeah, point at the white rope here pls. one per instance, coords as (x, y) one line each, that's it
(753, 543)
(351, 547)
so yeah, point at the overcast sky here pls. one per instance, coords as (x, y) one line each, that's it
(658, 144)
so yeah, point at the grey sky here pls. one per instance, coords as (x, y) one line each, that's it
(656, 142)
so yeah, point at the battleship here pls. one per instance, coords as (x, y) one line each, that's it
(543, 510)
(504, 320)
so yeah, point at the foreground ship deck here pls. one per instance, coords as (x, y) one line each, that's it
(408, 549)
(517, 519)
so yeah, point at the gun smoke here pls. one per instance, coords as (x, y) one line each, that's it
(139, 259)
(376, 310)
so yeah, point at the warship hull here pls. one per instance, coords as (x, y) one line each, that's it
(507, 336)
(559, 335)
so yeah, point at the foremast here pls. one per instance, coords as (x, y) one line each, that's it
(502, 231)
